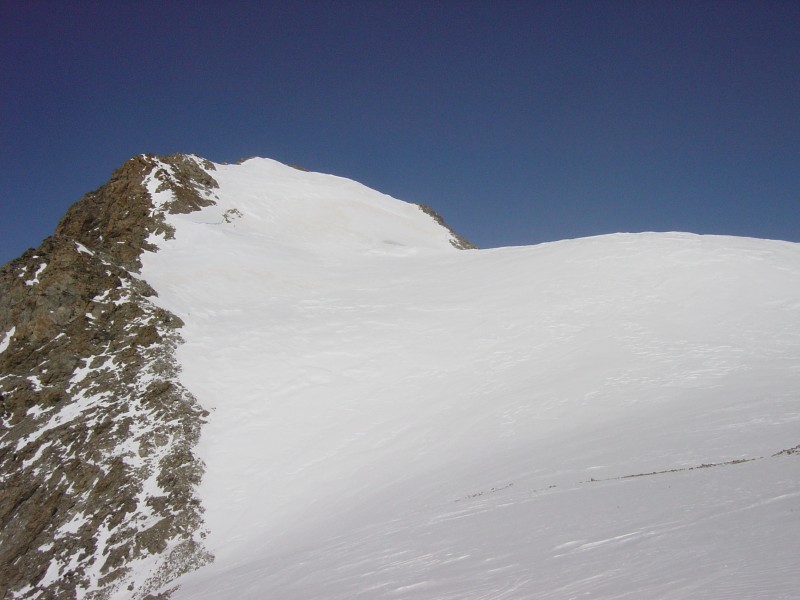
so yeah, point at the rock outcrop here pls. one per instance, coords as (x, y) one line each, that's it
(457, 240)
(97, 472)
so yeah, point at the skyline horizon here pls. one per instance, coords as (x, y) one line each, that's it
(519, 124)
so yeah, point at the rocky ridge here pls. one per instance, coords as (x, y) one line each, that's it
(456, 240)
(97, 474)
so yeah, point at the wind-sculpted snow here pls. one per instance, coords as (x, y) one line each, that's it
(391, 418)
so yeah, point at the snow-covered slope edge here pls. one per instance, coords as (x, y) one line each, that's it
(613, 416)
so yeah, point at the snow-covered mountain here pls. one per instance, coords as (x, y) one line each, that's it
(327, 397)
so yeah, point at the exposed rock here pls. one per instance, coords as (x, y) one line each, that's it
(96, 432)
(455, 239)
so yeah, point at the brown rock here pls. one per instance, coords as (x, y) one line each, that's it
(65, 476)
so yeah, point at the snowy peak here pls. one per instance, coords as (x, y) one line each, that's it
(97, 432)
(291, 207)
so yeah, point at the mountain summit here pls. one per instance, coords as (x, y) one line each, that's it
(247, 381)
(98, 432)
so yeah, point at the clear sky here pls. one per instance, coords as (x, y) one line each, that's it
(521, 122)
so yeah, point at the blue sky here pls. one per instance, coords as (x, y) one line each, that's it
(521, 122)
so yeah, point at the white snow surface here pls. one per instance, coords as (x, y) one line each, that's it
(394, 418)
(7, 337)
(35, 279)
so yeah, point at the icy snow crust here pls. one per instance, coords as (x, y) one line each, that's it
(393, 418)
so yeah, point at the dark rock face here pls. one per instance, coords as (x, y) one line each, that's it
(96, 432)
(116, 218)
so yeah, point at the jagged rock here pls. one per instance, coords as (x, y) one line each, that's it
(97, 432)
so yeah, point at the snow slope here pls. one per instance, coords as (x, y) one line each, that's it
(394, 418)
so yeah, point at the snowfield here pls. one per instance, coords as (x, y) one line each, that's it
(609, 417)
